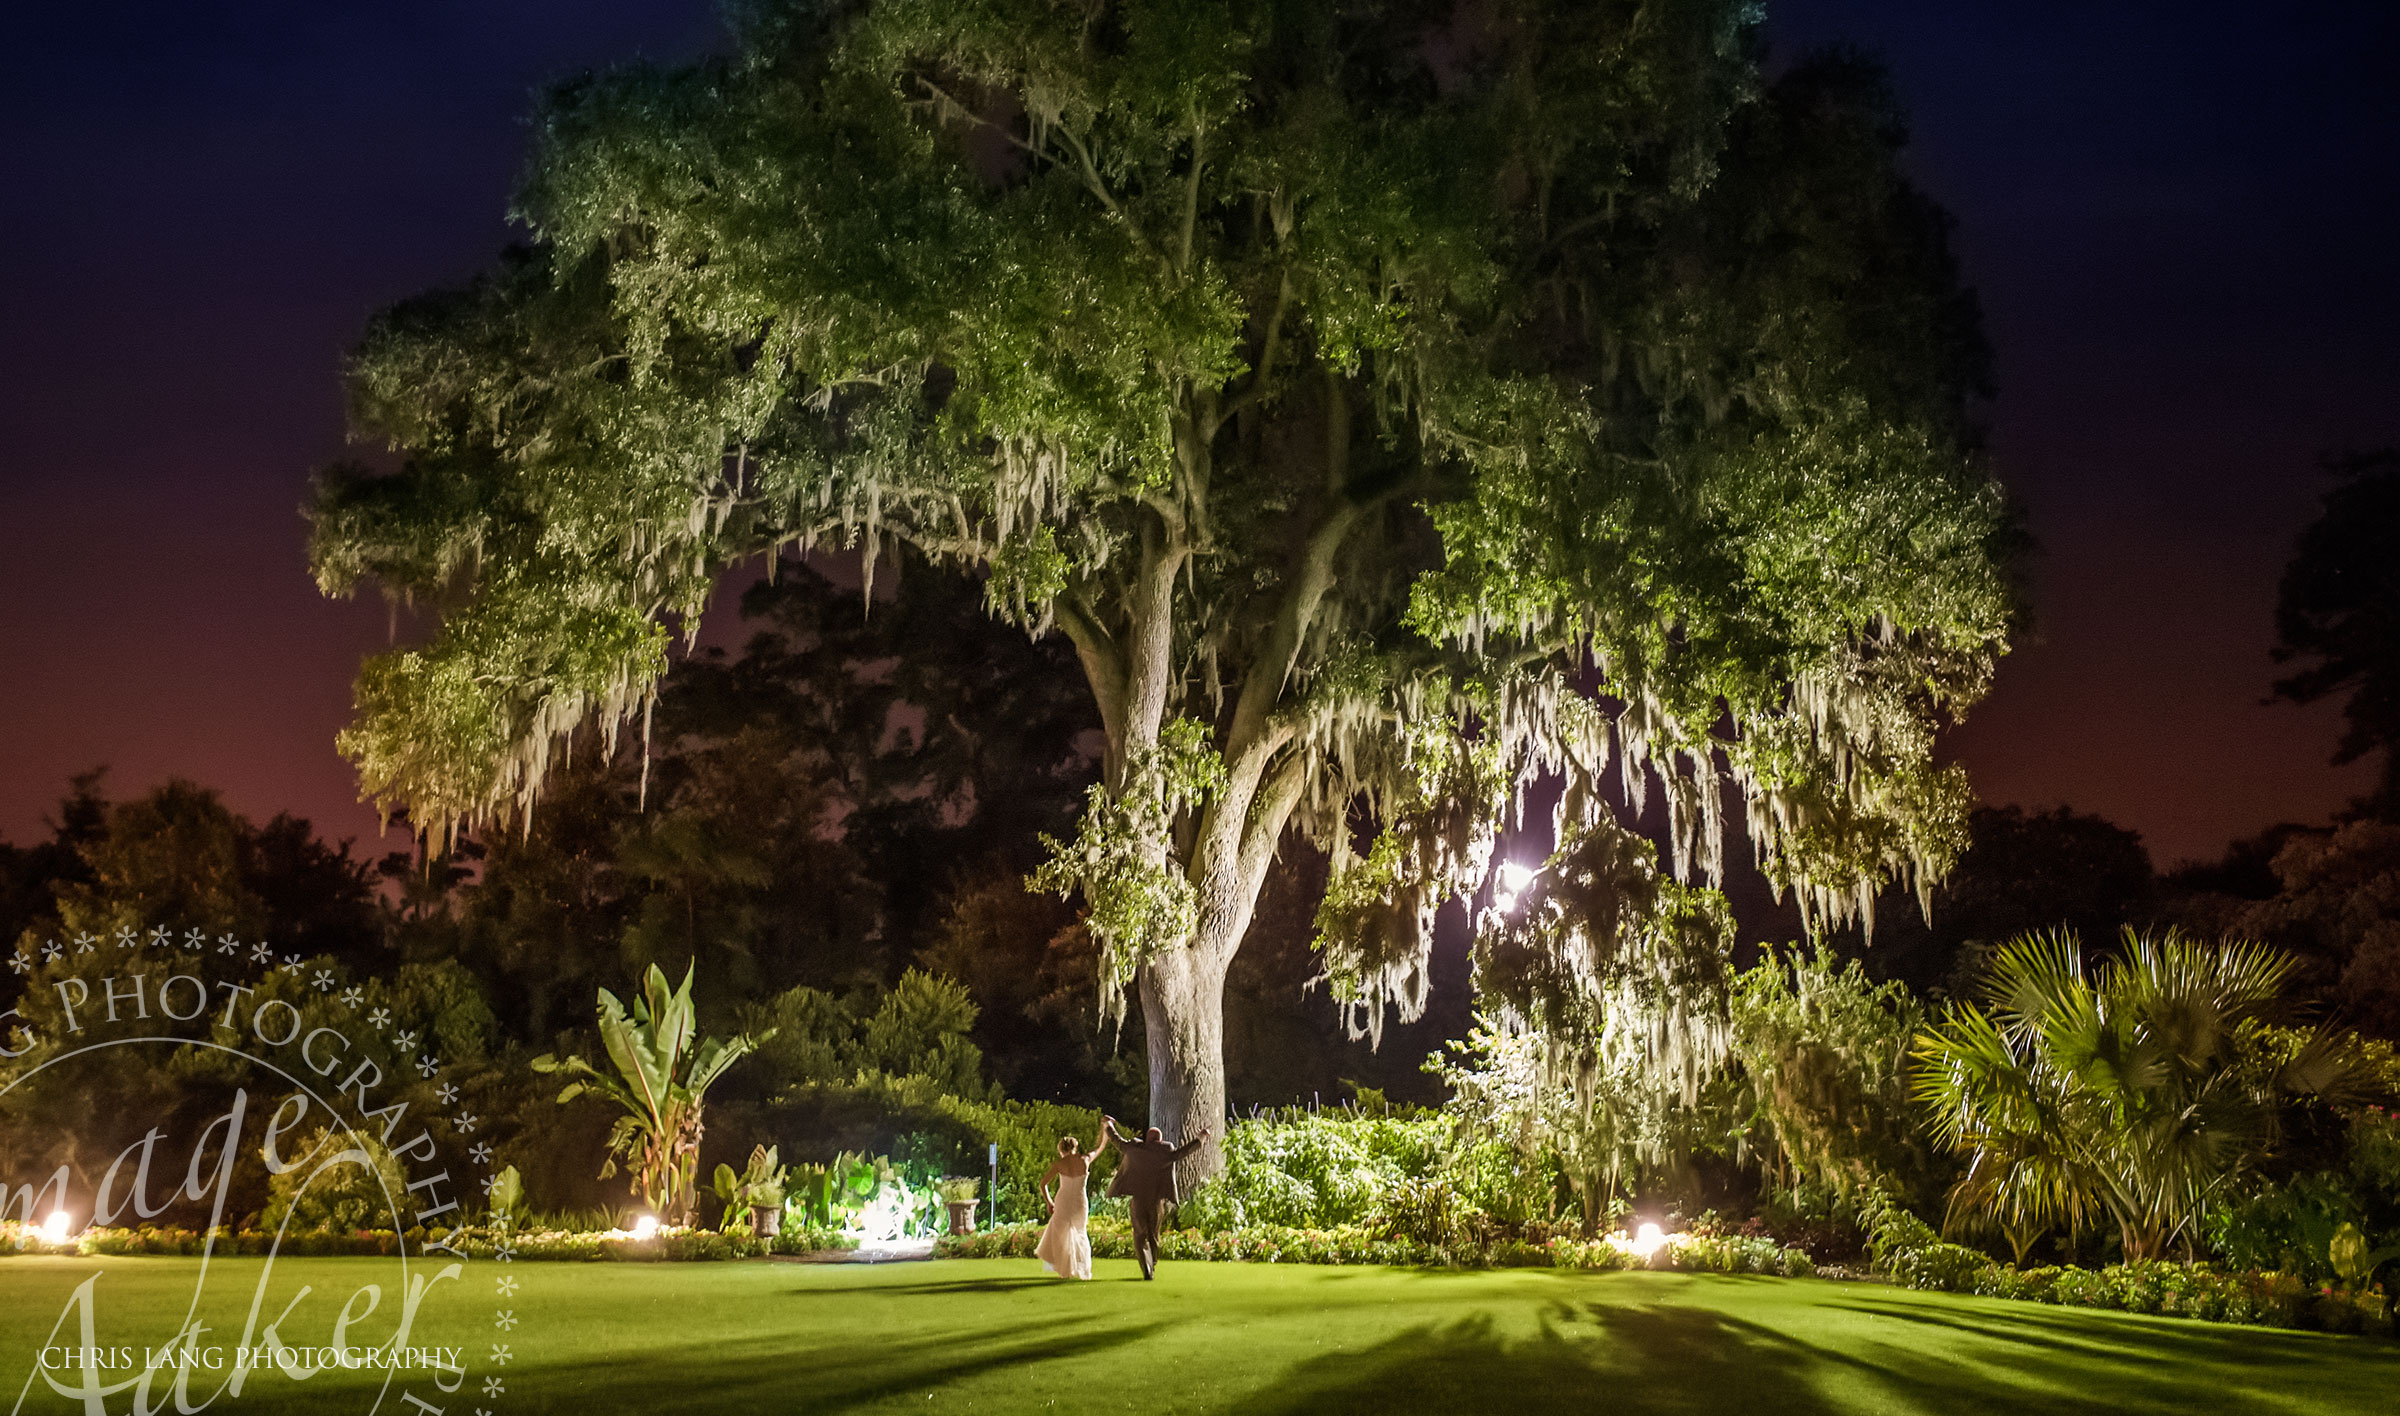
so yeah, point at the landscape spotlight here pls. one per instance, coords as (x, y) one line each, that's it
(646, 1227)
(54, 1229)
(1513, 878)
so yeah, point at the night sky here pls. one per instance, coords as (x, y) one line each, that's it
(2181, 219)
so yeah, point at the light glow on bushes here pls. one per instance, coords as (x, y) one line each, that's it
(1643, 1242)
(54, 1229)
(885, 1216)
(646, 1227)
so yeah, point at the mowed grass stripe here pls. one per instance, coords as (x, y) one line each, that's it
(1000, 1336)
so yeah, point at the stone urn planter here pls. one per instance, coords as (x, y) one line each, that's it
(962, 1216)
(766, 1221)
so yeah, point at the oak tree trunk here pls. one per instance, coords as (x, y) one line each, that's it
(1183, 1012)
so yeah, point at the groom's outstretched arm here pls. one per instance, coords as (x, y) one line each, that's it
(1188, 1146)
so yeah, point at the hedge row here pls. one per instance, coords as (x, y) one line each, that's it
(1357, 1244)
(1916, 1257)
(669, 1245)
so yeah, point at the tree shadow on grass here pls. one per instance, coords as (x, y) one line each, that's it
(2151, 1363)
(758, 1376)
(1664, 1361)
(1683, 1359)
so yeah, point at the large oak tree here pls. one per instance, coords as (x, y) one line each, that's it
(1390, 400)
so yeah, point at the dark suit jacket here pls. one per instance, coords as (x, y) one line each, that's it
(1147, 1171)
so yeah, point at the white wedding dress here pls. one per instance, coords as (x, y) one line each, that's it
(1066, 1247)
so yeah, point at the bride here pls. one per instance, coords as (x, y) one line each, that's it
(1066, 1246)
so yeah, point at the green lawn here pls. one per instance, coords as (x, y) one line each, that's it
(998, 1336)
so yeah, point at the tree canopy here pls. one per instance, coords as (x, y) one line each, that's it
(2337, 615)
(1389, 401)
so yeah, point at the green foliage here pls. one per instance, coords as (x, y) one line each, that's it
(2328, 1225)
(506, 1199)
(663, 1071)
(1339, 398)
(339, 1182)
(1593, 1126)
(2141, 1090)
(1426, 1210)
(761, 1184)
(1140, 905)
(920, 1027)
(1317, 1170)
(1822, 1077)
(939, 1133)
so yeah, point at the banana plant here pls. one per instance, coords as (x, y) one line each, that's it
(662, 1073)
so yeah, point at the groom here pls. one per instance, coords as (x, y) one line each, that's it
(1146, 1179)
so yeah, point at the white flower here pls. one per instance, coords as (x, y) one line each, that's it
(323, 980)
(507, 1321)
(500, 1354)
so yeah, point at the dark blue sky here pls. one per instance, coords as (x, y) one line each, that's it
(2181, 219)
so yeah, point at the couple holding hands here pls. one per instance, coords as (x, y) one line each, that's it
(1145, 1178)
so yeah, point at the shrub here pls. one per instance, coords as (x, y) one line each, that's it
(343, 1181)
(1428, 1211)
(1317, 1169)
(929, 1133)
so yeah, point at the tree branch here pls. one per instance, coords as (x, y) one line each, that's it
(1257, 387)
(1103, 663)
(1191, 193)
(1090, 172)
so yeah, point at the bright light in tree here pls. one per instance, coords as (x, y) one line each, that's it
(54, 1229)
(1513, 878)
(646, 1227)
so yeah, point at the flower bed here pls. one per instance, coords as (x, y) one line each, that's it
(1356, 1244)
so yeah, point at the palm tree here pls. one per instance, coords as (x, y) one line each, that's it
(2138, 1089)
(659, 1136)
